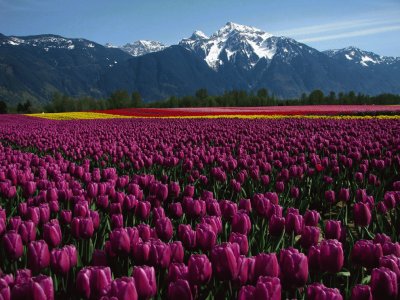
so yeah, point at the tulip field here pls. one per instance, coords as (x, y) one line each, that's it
(116, 206)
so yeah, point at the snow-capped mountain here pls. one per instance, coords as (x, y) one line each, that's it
(47, 42)
(234, 57)
(232, 43)
(358, 56)
(143, 47)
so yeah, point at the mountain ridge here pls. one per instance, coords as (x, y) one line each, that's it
(234, 57)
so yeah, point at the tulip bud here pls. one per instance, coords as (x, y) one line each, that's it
(317, 291)
(52, 234)
(175, 210)
(241, 240)
(268, 288)
(294, 223)
(246, 292)
(179, 289)
(159, 254)
(38, 255)
(361, 292)
(383, 284)
(123, 288)
(362, 214)
(266, 264)
(120, 242)
(206, 237)
(59, 261)
(294, 268)
(366, 254)
(309, 236)
(311, 218)
(276, 225)
(177, 271)
(12, 243)
(241, 223)
(331, 256)
(145, 280)
(27, 230)
(164, 228)
(177, 251)
(224, 261)
(199, 268)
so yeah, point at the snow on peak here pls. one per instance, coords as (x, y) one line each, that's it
(358, 56)
(231, 43)
(142, 47)
(199, 35)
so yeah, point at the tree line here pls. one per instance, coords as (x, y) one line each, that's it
(201, 98)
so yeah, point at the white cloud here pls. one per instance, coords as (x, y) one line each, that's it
(355, 33)
(333, 27)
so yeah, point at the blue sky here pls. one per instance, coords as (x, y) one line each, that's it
(324, 24)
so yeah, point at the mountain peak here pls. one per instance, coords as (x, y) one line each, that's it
(142, 47)
(199, 35)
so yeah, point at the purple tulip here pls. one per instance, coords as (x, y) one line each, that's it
(38, 255)
(294, 223)
(145, 280)
(266, 264)
(120, 242)
(65, 216)
(361, 292)
(35, 288)
(245, 204)
(241, 223)
(177, 251)
(383, 284)
(309, 236)
(276, 225)
(143, 209)
(27, 230)
(60, 261)
(179, 289)
(123, 289)
(177, 271)
(268, 288)
(344, 195)
(224, 261)
(381, 238)
(311, 218)
(241, 240)
(333, 229)
(199, 268)
(72, 254)
(187, 236)
(164, 228)
(206, 237)
(117, 221)
(93, 282)
(52, 233)
(362, 214)
(366, 253)
(294, 268)
(317, 291)
(175, 210)
(331, 256)
(82, 228)
(159, 254)
(12, 243)
(246, 292)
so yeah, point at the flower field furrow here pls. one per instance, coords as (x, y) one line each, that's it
(140, 208)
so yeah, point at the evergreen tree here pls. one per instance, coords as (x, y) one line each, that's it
(137, 100)
(3, 107)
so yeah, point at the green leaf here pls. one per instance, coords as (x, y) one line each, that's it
(366, 279)
(344, 274)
